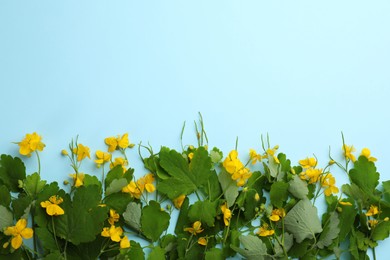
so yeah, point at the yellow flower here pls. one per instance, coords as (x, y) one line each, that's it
(190, 156)
(119, 161)
(115, 142)
(195, 229)
(146, 183)
(345, 203)
(30, 143)
(18, 232)
(311, 174)
(82, 152)
(133, 189)
(348, 150)
(202, 241)
(328, 182)
(372, 211)
(257, 197)
(264, 231)
(51, 205)
(125, 243)
(373, 222)
(255, 157)
(366, 153)
(277, 214)
(102, 157)
(232, 163)
(227, 214)
(272, 153)
(78, 179)
(179, 201)
(114, 233)
(308, 162)
(114, 217)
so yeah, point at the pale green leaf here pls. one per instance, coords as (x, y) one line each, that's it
(116, 185)
(330, 231)
(288, 243)
(302, 221)
(6, 218)
(255, 249)
(132, 215)
(229, 187)
(216, 155)
(298, 188)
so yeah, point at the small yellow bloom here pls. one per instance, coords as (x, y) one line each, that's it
(311, 174)
(227, 214)
(345, 203)
(202, 241)
(114, 217)
(308, 162)
(146, 183)
(372, 211)
(272, 153)
(348, 150)
(277, 214)
(82, 152)
(328, 182)
(195, 229)
(179, 201)
(18, 232)
(32, 142)
(366, 153)
(255, 157)
(119, 161)
(64, 152)
(133, 189)
(264, 231)
(78, 179)
(373, 222)
(257, 197)
(102, 157)
(190, 156)
(115, 142)
(51, 206)
(114, 233)
(125, 243)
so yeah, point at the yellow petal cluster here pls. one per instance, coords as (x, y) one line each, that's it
(202, 241)
(311, 174)
(114, 217)
(51, 206)
(271, 152)
(78, 179)
(195, 229)
(308, 162)
(277, 214)
(179, 201)
(115, 143)
(265, 231)
(328, 182)
(102, 157)
(137, 188)
(18, 232)
(227, 214)
(116, 235)
(348, 150)
(82, 152)
(32, 142)
(119, 161)
(236, 168)
(372, 211)
(254, 156)
(367, 153)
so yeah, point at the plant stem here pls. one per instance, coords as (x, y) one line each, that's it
(39, 163)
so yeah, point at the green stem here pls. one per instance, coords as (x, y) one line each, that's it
(373, 253)
(39, 162)
(34, 233)
(54, 233)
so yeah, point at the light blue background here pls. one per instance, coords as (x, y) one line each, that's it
(302, 71)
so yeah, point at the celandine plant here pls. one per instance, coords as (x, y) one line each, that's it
(261, 208)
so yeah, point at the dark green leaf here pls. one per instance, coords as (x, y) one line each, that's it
(330, 230)
(154, 220)
(118, 201)
(47, 238)
(279, 193)
(5, 196)
(204, 211)
(21, 206)
(11, 171)
(381, 231)
(136, 251)
(182, 220)
(364, 175)
(157, 254)
(214, 254)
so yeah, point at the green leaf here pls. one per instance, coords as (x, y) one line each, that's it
(182, 219)
(204, 211)
(21, 206)
(6, 218)
(91, 180)
(47, 238)
(255, 249)
(216, 155)
(33, 184)
(5, 196)
(273, 166)
(56, 255)
(135, 251)
(132, 215)
(298, 188)
(11, 171)
(213, 188)
(185, 178)
(279, 193)
(347, 218)
(288, 243)
(330, 231)
(381, 231)
(364, 175)
(229, 187)
(118, 201)
(157, 254)
(302, 221)
(214, 254)
(154, 220)
(115, 186)
(114, 173)
(386, 190)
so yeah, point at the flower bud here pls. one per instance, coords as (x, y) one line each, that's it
(64, 152)
(66, 182)
(331, 162)
(131, 145)
(386, 219)
(339, 209)
(257, 197)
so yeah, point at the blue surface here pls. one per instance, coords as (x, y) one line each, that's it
(302, 71)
